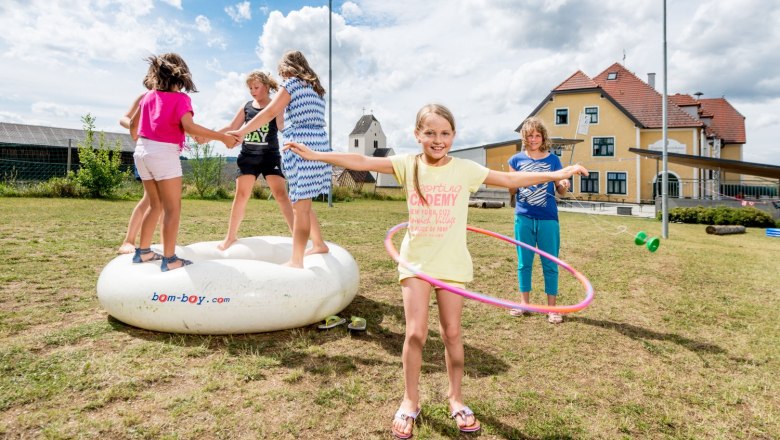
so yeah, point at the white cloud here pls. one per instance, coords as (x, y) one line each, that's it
(62, 33)
(203, 24)
(229, 94)
(59, 110)
(491, 62)
(217, 42)
(239, 12)
(350, 11)
(13, 118)
(175, 3)
(491, 76)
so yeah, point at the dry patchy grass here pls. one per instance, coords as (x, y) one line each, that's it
(682, 343)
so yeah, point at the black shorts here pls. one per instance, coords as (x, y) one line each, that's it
(266, 162)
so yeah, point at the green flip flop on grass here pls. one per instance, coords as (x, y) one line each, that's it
(331, 321)
(357, 324)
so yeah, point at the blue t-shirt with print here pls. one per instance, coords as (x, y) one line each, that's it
(536, 201)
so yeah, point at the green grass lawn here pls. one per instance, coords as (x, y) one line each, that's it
(682, 343)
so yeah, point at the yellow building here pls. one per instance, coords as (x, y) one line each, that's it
(616, 111)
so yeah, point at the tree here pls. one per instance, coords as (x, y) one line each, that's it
(101, 166)
(206, 169)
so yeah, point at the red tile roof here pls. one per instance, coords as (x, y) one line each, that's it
(578, 80)
(641, 100)
(642, 104)
(727, 123)
(683, 100)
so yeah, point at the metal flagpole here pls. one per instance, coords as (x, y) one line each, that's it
(330, 91)
(665, 129)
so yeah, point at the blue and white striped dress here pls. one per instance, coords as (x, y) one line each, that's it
(304, 122)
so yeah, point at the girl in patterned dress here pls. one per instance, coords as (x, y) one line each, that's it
(259, 155)
(301, 98)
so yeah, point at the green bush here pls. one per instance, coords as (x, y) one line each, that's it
(341, 194)
(55, 187)
(206, 174)
(260, 192)
(8, 190)
(101, 166)
(722, 215)
(61, 187)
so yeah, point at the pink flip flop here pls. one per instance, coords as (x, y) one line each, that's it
(463, 413)
(401, 415)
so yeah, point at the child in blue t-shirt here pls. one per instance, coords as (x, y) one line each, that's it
(536, 213)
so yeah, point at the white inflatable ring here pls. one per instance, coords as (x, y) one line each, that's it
(241, 290)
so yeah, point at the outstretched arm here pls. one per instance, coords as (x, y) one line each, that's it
(130, 119)
(200, 132)
(277, 105)
(351, 161)
(235, 124)
(517, 179)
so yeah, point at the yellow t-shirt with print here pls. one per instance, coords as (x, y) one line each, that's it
(435, 241)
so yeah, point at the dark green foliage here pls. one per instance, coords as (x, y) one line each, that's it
(260, 192)
(61, 187)
(101, 166)
(722, 215)
(207, 172)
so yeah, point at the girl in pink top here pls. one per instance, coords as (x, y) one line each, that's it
(164, 115)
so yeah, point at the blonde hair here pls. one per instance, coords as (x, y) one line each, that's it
(422, 115)
(263, 78)
(535, 124)
(294, 64)
(167, 72)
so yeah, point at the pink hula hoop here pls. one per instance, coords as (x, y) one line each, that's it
(489, 299)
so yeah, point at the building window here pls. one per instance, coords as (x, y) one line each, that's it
(590, 183)
(561, 116)
(612, 76)
(356, 143)
(603, 146)
(594, 114)
(376, 144)
(616, 183)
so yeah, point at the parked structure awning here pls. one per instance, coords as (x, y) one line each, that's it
(732, 166)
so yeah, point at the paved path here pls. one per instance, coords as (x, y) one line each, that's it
(604, 208)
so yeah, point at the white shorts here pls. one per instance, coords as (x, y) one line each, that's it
(157, 160)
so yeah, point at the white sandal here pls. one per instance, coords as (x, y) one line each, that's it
(554, 318)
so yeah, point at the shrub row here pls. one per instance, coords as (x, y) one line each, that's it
(722, 215)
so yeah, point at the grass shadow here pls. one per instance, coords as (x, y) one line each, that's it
(640, 333)
(289, 347)
(478, 363)
(447, 428)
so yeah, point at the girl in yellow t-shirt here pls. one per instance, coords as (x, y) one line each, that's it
(437, 189)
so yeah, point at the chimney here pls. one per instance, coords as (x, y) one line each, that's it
(651, 80)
